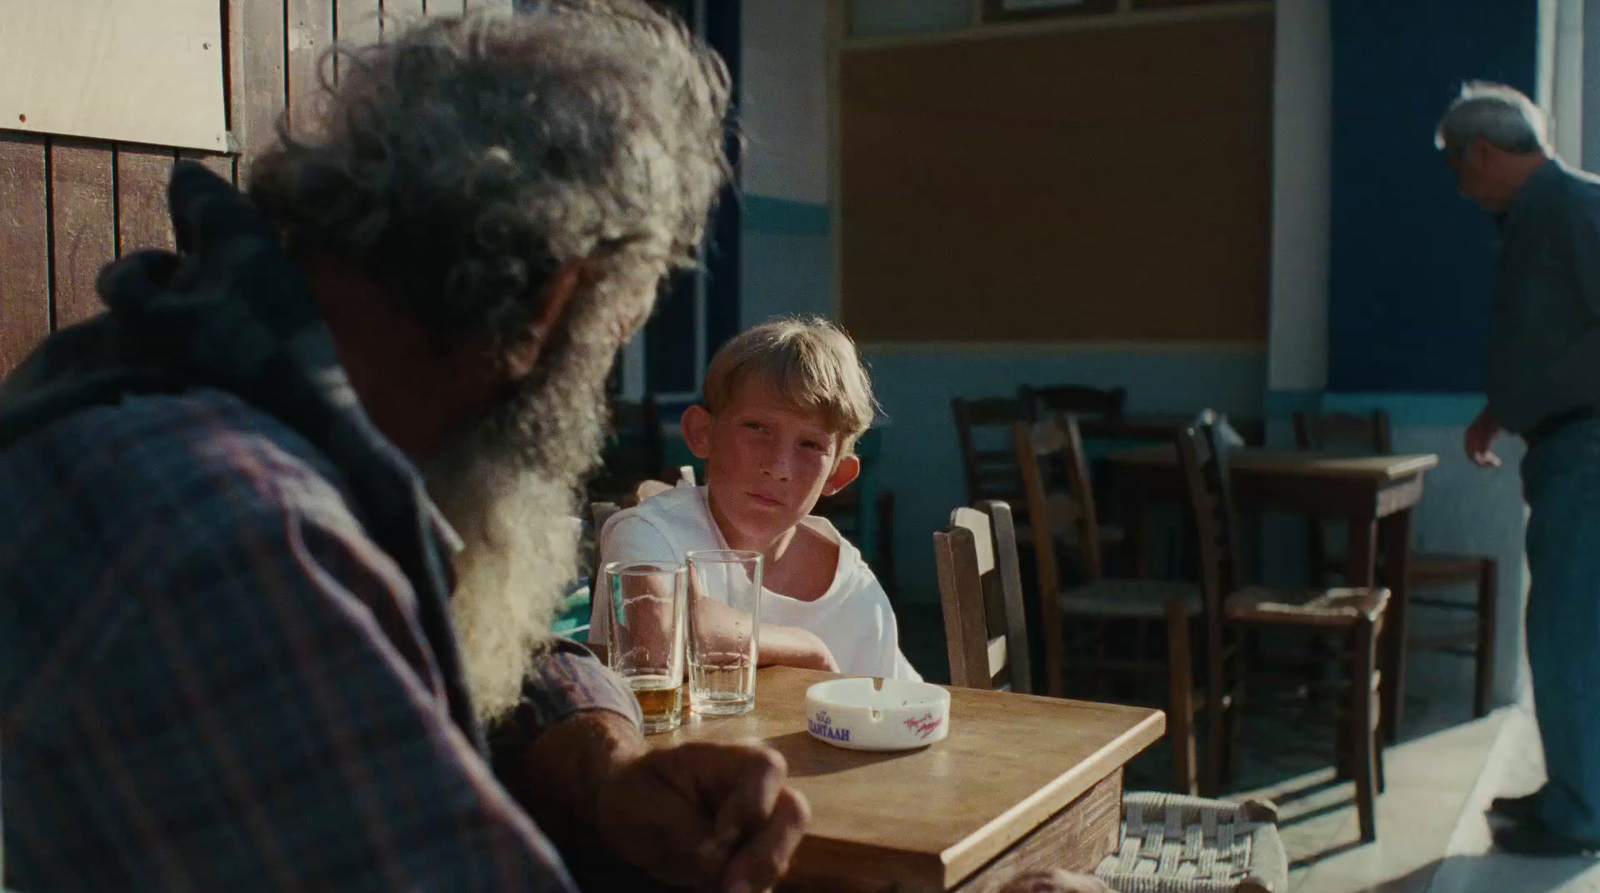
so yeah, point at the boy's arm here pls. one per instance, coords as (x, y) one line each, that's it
(791, 646)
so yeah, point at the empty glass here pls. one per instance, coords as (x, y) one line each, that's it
(724, 616)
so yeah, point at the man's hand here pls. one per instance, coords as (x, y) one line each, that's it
(1055, 881)
(718, 817)
(1480, 439)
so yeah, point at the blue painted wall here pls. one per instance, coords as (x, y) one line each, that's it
(1412, 261)
(915, 386)
(787, 259)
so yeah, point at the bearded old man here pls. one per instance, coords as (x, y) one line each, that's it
(281, 531)
(226, 650)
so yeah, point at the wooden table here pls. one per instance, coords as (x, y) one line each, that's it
(1374, 494)
(1021, 782)
(1160, 426)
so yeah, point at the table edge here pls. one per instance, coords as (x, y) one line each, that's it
(967, 857)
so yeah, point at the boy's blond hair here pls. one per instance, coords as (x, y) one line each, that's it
(807, 360)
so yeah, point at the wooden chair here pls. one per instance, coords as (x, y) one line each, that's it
(635, 451)
(1168, 844)
(600, 511)
(1046, 401)
(980, 590)
(599, 623)
(1177, 844)
(1429, 570)
(1090, 605)
(988, 464)
(1356, 614)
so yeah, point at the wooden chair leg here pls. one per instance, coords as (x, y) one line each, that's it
(1488, 604)
(1230, 754)
(1216, 727)
(1180, 699)
(1363, 725)
(1377, 757)
(1343, 761)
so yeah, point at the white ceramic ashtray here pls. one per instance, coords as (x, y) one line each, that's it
(853, 713)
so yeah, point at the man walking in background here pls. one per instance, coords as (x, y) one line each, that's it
(1543, 383)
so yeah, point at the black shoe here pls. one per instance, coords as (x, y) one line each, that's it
(1533, 839)
(1518, 809)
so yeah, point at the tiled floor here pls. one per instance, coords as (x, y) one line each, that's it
(1469, 866)
(1433, 836)
(1430, 781)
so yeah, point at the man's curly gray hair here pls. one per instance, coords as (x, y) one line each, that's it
(461, 163)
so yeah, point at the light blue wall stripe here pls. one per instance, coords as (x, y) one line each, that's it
(1284, 404)
(1421, 410)
(781, 216)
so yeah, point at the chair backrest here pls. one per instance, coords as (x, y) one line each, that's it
(1049, 449)
(1053, 506)
(1044, 401)
(1330, 431)
(599, 620)
(1203, 458)
(980, 589)
(599, 514)
(636, 449)
(989, 465)
(1368, 432)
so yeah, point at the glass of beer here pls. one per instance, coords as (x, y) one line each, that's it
(724, 615)
(645, 640)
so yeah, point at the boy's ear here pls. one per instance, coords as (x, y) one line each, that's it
(848, 470)
(696, 424)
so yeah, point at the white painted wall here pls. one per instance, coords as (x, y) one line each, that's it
(785, 98)
(1589, 158)
(1567, 90)
(1302, 135)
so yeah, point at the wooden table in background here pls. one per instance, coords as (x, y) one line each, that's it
(1022, 782)
(1161, 426)
(1374, 494)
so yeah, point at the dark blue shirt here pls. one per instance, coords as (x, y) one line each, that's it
(1544, 338)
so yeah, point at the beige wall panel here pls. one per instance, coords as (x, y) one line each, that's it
(145, 71)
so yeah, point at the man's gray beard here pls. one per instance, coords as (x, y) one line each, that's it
(511, 490)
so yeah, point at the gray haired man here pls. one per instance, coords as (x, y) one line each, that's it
(1543, 383)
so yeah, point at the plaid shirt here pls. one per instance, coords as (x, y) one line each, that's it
(225, 656)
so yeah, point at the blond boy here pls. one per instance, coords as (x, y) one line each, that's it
(785, 403)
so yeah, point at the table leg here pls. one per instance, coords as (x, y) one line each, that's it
(1392, 655)
(1360, 554)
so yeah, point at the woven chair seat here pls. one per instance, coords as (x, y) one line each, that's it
(1337, 608)
(1130, 598)
(1177, 844)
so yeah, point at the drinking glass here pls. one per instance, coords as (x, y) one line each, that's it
(645, 640)
(724, 616)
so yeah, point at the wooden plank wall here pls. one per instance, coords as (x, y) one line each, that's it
(69, 206)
